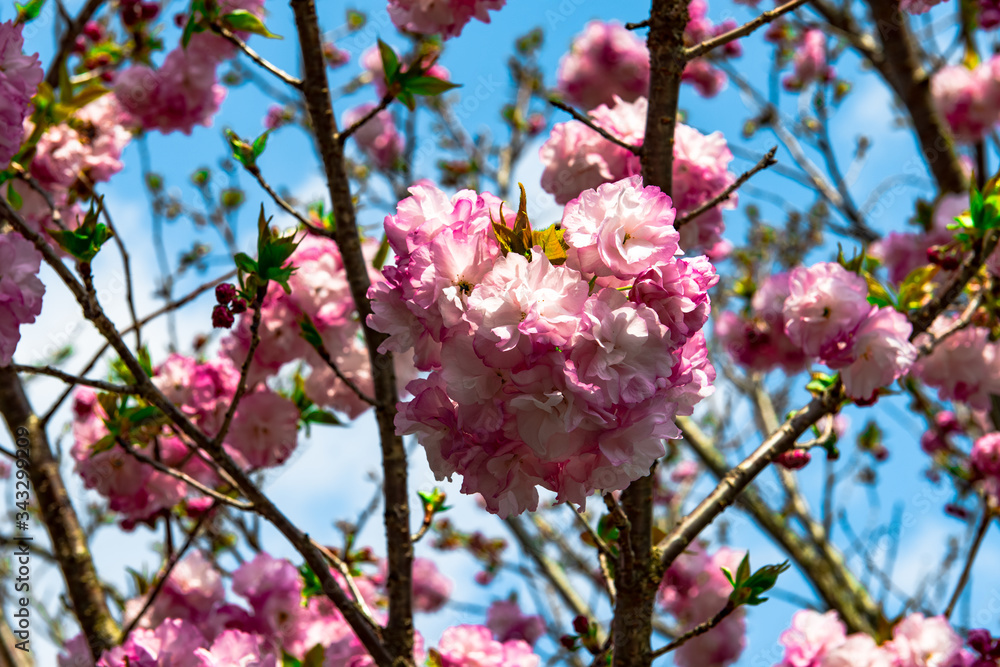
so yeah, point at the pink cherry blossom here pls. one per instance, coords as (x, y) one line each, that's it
(20, 75)
(474, 646)
(825, 305)
(967, 98)
(377, 138)
(87, 147)
(620, 229)
(234, 648)
(811, 637)
(191, 593)
(965, 366)
(917, 6)
(181, 93)
(431, 589)
(20, 290)
(431, 17)
(882, 353)
(506, 620)
(604, 62)
(809, 62)
(265, 429)
(986, 455)
(173, 642)
(918, 641)
(901, 253)
(678, 292)
(858, 650)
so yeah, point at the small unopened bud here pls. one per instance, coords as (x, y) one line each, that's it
(221, 317)
(225, 293)
(581, 625)
(795, 459)
(238, 306)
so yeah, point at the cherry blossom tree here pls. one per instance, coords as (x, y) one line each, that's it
(597, 396)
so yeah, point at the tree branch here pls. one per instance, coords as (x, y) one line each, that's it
(764, 163)
(742, 31)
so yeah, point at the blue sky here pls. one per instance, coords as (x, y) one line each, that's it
(326, 479)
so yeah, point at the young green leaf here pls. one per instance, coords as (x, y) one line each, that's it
(29, 11)
(390, 62)
(427, 85)
(243, 21)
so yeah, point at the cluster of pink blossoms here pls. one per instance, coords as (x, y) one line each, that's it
(192, 624)
(821, 640)
(965, 366)
(694, 589)
(577, 158)
(758, 341)
(540, 374)
(263, 434)
(20, 290)
(707, 79)
(20, 75)
(809, 62)
(902, 252)
(321, 292)
(183, 91)
(434, 17)
(968, 99)
(378, 138)
(822, 313)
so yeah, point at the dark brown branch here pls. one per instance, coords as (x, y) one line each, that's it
(74, 380)
(764, 163)
(399, 630)
(963, 579)
(742, 31)
(69, 543)
(68, 40)
(241, 387)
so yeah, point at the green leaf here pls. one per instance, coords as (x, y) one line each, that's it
(242, 151)
(406, 97)
(518, 240)
(314, 658)
(14, 198)
(320, 416)
(383, 252)
(312, 586)
(259, 144)
(243, 21)
(390, 62)
(102, 445)
(310, 333)
(743, 572)
(821, 382)
(245, 263)
(427, 85)
(878, 295)
(552, 244)
(85, 241)
(916, 286)
(287, 660)
(29, 11)
(975, 205)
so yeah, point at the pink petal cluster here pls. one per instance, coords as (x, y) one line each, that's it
(20, 290)
(694, 590)
(828, 316)
(507, 622)
(968, 99)
(184, 90)
(917, 6)
(474, 646)
(431, 588)
(758, 340)
(534, 380)
(371, 61)
(265, 429)
(965, 366)
(321, 292)
(809, 62)
(433, 17)
(604, 62)
(378, 138)
(192, 624)
(86, 148)
(706, 78)
(576, 158)
(20, 75)
(902, 252)
(820, 640)
(989, 14)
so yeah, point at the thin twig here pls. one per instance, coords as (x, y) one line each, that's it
(254, 56)
(589, 122)
(325, 356)
(359, 123)
(696, 631)
(762, 164)
(165, 574)
(241, 388)
(963, 579)
(742, 31)
(127, 268)
(74, 380)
